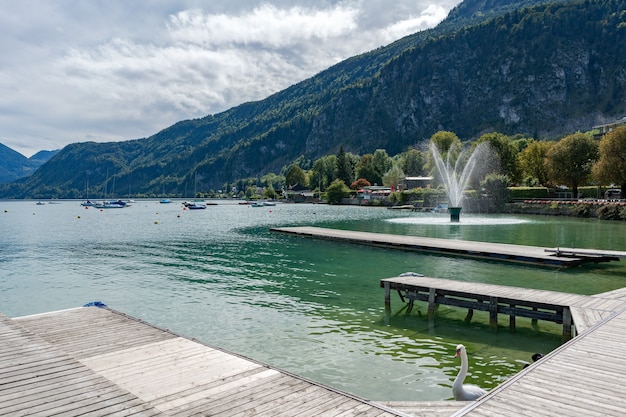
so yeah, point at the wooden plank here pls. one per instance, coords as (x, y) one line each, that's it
(470, 249)
(152, 374)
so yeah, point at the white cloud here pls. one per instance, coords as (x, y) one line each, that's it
(432, 15)
(123, 70)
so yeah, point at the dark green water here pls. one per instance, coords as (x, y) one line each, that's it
(311, 307)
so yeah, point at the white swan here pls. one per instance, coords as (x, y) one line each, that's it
(464, 392)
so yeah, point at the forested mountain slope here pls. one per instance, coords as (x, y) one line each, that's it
(543, 71)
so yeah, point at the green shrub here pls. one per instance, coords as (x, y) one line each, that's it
(336, 191)
(525, 193)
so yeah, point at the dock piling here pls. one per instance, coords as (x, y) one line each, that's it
(493, 313)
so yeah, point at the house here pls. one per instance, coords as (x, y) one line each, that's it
(374, 192)
(299, 194)
(409, 183)
(608, 127)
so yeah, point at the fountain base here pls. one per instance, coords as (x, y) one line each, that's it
(455, 213)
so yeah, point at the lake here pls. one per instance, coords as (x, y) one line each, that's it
(311, 307)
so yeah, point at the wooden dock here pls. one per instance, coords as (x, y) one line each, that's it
(95, 361)
(558, 307)
(99, 362)
(584, 377)
(550, 257)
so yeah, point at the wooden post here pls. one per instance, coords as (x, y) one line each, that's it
(512, 319)
(493, 313)
(431, 302)
(567, 324)
(470, 314)
(411, 302)
(534, 321)
(387, 285)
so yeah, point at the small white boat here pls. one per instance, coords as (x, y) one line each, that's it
(194, 206)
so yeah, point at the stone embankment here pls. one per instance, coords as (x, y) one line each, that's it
(602, 209)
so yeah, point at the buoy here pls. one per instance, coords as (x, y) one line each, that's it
(156, 222)
(6, 211)
(178, 215)
(79, 217)
(86, 207)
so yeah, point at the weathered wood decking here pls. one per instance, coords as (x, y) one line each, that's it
(551, 257)
(558, 307)
(96, 362)
(583, 377)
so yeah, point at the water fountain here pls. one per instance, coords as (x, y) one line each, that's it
(455, 179)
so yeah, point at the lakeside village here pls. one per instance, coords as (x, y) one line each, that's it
(485, 188)
(423, 193)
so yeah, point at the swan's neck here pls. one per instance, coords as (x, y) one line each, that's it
(458, 382)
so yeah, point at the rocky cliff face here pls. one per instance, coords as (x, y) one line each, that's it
(543, 71)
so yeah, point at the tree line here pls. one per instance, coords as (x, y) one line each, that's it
(574, 160)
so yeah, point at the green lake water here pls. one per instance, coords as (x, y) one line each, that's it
(311, 307)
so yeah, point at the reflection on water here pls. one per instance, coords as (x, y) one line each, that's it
(312, 307)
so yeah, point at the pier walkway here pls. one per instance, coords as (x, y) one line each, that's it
(550, 257)
(583, 377)
(564, 308)
(98, 362)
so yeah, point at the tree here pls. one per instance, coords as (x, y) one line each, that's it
(360, 183)
(496, 187)
(611, 165)
(367, 170)
(570, 160)
(382, 162)
(269, 192)
(413, 162)
(445, 142)
(393, 176)
(336, 191)
(323, 172)
(532, 161)
(344, 168)
(294, 176)
(506, 150)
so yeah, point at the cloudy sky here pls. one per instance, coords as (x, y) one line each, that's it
(108, 70)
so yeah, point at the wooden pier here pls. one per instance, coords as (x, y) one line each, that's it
(98, 362)
(550, 257)
(557, 307)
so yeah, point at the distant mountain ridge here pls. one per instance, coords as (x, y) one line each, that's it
(14, 165)
(533, 67)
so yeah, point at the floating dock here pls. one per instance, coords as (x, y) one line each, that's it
(550, 257)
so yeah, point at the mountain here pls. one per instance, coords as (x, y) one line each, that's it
(42, 157)
(533, 67)
(14, 165)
